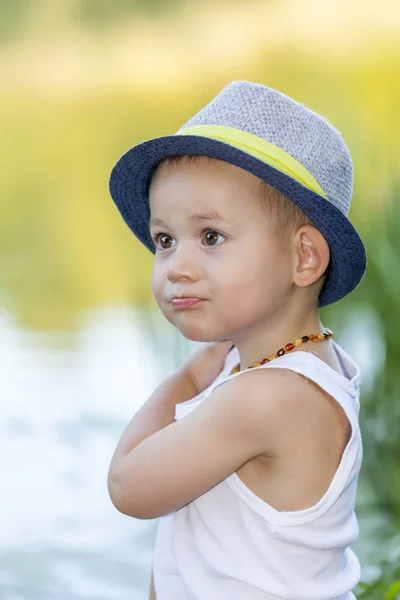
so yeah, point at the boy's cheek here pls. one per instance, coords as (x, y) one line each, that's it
(158, 289)
(159, 297)
(156, 283)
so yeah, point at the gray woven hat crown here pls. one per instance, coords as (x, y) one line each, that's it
(272, 116)
(297, 130)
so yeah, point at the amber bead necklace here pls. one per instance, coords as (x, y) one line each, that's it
(318, 337)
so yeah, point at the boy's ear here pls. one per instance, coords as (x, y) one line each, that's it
(312, 256)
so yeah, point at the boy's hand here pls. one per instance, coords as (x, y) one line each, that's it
(206, 364)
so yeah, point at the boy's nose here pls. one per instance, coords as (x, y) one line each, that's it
(183, 264)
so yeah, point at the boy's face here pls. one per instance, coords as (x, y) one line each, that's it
(236, 263)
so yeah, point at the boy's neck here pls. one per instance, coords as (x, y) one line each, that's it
(254, 346)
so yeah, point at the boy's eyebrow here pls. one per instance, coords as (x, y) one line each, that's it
(210, 216)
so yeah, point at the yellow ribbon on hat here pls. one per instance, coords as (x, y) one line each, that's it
(259, 148)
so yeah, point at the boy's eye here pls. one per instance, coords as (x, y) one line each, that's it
(160, 238)
(211, 236)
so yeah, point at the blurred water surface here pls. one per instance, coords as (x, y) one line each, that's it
(65, 399)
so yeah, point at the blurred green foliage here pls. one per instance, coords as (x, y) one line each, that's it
(103, 12)
(13, 18)
(386, 586)
(18, 17)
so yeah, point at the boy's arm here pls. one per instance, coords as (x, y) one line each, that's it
(158, 412)
(240, 419)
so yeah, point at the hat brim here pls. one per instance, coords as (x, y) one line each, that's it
(129, 188)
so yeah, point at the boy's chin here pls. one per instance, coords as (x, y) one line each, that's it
(195, 329)
(196, 335)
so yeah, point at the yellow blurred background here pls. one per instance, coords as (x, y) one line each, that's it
(84, 81)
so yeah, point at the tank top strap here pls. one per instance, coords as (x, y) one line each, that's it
(345, 388)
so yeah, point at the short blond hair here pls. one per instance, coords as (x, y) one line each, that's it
(289, 217)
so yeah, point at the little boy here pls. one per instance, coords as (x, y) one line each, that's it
(251, 451)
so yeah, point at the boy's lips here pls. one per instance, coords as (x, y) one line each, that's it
(185, 301)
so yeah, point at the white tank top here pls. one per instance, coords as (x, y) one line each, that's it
(229, 544)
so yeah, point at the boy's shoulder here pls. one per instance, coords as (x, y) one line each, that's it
(278, 403)
(268, 402)
(302, 429)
